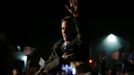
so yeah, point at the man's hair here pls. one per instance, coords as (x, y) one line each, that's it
(69, 19)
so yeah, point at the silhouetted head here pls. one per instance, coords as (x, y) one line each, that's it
(69, 28)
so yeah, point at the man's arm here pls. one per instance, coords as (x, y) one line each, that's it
(72, 7)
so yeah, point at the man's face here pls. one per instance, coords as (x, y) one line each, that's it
(67, 31)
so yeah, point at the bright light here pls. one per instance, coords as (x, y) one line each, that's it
(18, 47)
(24, 58)
(74, 71)
(68, 69)
(111, 38)
(111, 43)
(90, 61)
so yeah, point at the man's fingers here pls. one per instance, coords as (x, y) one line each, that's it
(68, 8)
(71, 3)
(75, 2)
(72, 7)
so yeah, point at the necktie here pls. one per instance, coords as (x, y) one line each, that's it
(65, 45)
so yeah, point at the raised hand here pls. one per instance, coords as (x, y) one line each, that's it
(73, 8)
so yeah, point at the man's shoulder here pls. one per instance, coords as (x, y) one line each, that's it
(58, 43)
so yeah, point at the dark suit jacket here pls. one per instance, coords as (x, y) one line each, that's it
(75, 48)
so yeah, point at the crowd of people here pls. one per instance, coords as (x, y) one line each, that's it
(69, 55)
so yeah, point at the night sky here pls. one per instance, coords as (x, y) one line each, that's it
(38, 23)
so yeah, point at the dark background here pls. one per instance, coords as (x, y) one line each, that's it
(38, 23)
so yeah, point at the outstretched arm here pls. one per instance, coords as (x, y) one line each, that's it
(72, 7)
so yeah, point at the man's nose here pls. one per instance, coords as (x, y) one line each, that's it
(65, 31)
